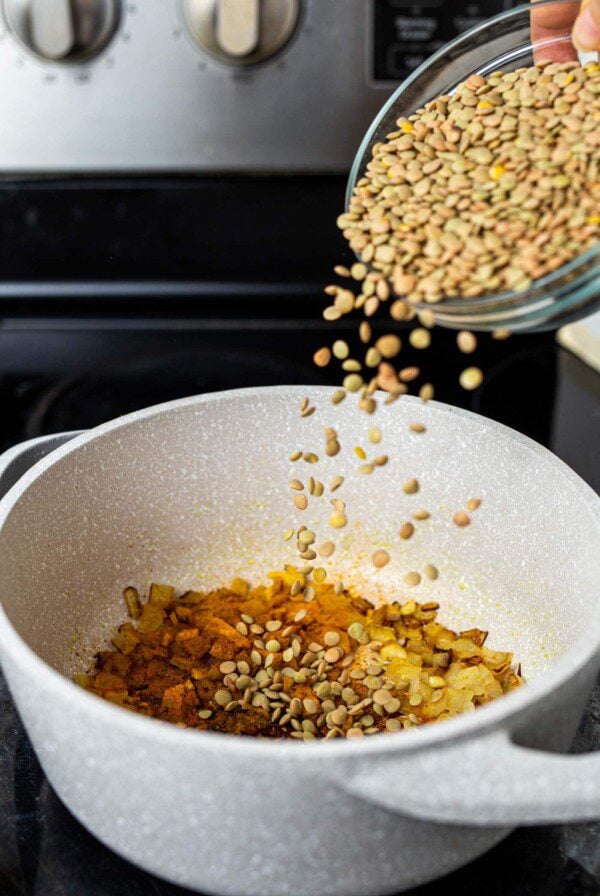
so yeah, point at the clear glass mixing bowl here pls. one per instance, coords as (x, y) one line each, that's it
(502, 43)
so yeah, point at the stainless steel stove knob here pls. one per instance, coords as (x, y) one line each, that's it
(241, 32)
(63, 30)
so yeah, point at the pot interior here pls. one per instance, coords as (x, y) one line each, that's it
(197, 492)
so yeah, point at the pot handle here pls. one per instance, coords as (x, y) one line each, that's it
(490, 781)
(15, 462)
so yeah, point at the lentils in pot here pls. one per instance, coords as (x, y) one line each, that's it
(260, 662)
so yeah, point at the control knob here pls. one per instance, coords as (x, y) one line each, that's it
(62, 30)
(241, 32)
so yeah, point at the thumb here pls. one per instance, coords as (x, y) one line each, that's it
(586, 32)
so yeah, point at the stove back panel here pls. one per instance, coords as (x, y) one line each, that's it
(153, 99)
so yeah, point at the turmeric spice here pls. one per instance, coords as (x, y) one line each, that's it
(265, 662)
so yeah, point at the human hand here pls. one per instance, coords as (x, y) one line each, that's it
(586, 33)
(551, 22)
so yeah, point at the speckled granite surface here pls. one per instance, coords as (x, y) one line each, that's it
(45, 852)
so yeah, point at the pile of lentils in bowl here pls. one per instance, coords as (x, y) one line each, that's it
(486, 190)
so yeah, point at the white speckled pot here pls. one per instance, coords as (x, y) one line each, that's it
(195, 492)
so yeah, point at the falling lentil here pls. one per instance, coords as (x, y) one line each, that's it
(426, 392)
(471, 378)
(380, 558)
(407, 531)
(466, 341)
(411, 487)
(353, 382)
(461, 519)
(431, 571)
(340, 349)
(420, 338)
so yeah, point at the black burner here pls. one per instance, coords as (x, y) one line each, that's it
(520, 391)
(113, 388)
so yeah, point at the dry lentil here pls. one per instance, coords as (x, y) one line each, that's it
(336, 482)
(466, 341)
(408, 374)
(420, 338)
(380, 558)
(431, 571)
(322, 357)
(494, 242)
(352, 365)
(372, 357)
(353, 382)
(145, 679)
(364, 331)
(426, 392)
(340, 349)
(471, 378)
(407, 531)
(388, 346)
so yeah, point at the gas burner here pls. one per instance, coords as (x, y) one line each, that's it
(127, 384)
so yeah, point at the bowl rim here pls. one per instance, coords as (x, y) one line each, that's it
(499, 713)
(499, 301)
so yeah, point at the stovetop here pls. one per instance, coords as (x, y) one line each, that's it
(223, 297)
(64, 374)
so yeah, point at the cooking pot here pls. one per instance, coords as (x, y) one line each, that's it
(195, 492)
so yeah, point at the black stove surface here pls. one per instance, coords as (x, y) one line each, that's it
(58, 375)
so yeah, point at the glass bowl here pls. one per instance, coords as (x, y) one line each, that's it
(502, 43)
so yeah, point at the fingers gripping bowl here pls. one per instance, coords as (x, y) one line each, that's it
(191, 493)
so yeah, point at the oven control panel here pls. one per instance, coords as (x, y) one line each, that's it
(135, 86)
(405, 33)
(202, 86)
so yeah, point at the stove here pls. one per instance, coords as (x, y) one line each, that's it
(94, 326)
(167, 229)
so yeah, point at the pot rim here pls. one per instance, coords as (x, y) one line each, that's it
(487, 717)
